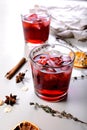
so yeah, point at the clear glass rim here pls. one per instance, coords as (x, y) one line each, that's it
(37, 11)
(51, 46)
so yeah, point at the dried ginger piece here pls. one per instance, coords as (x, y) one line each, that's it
(80, 59)
(26, 126)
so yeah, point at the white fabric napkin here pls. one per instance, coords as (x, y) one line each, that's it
(69, 21)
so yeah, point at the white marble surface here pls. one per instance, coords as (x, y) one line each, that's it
(11, 50)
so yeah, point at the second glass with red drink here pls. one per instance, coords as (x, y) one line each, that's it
(36, 26)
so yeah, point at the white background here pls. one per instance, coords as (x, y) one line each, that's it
(12, 49)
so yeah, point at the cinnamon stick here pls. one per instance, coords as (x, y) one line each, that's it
(12, 72)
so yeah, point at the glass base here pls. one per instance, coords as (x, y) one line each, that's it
(53, 99)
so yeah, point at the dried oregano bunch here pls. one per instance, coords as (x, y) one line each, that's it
(57, 113)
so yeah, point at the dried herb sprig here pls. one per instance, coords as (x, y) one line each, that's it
(68, 43)
(57, 113)
(72, 45)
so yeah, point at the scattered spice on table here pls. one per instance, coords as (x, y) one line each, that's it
(79, 77)
(57, 113)
(20, 77)
(8, 109)
(13, 71)
(24, 88)
(1, 102)
(11, 100)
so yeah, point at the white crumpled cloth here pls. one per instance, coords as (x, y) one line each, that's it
(69, 21)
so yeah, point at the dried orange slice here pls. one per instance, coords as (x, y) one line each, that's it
(25, 125)
(80, 59)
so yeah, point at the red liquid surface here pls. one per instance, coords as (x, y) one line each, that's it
(51, 81)
(36, 28)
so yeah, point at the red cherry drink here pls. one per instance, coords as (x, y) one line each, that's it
(51, 75)
(36, 28)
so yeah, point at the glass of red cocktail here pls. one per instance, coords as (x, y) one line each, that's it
(36, 26)
(51, 70)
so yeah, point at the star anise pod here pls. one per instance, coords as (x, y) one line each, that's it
(11, 100)
(20, 77)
